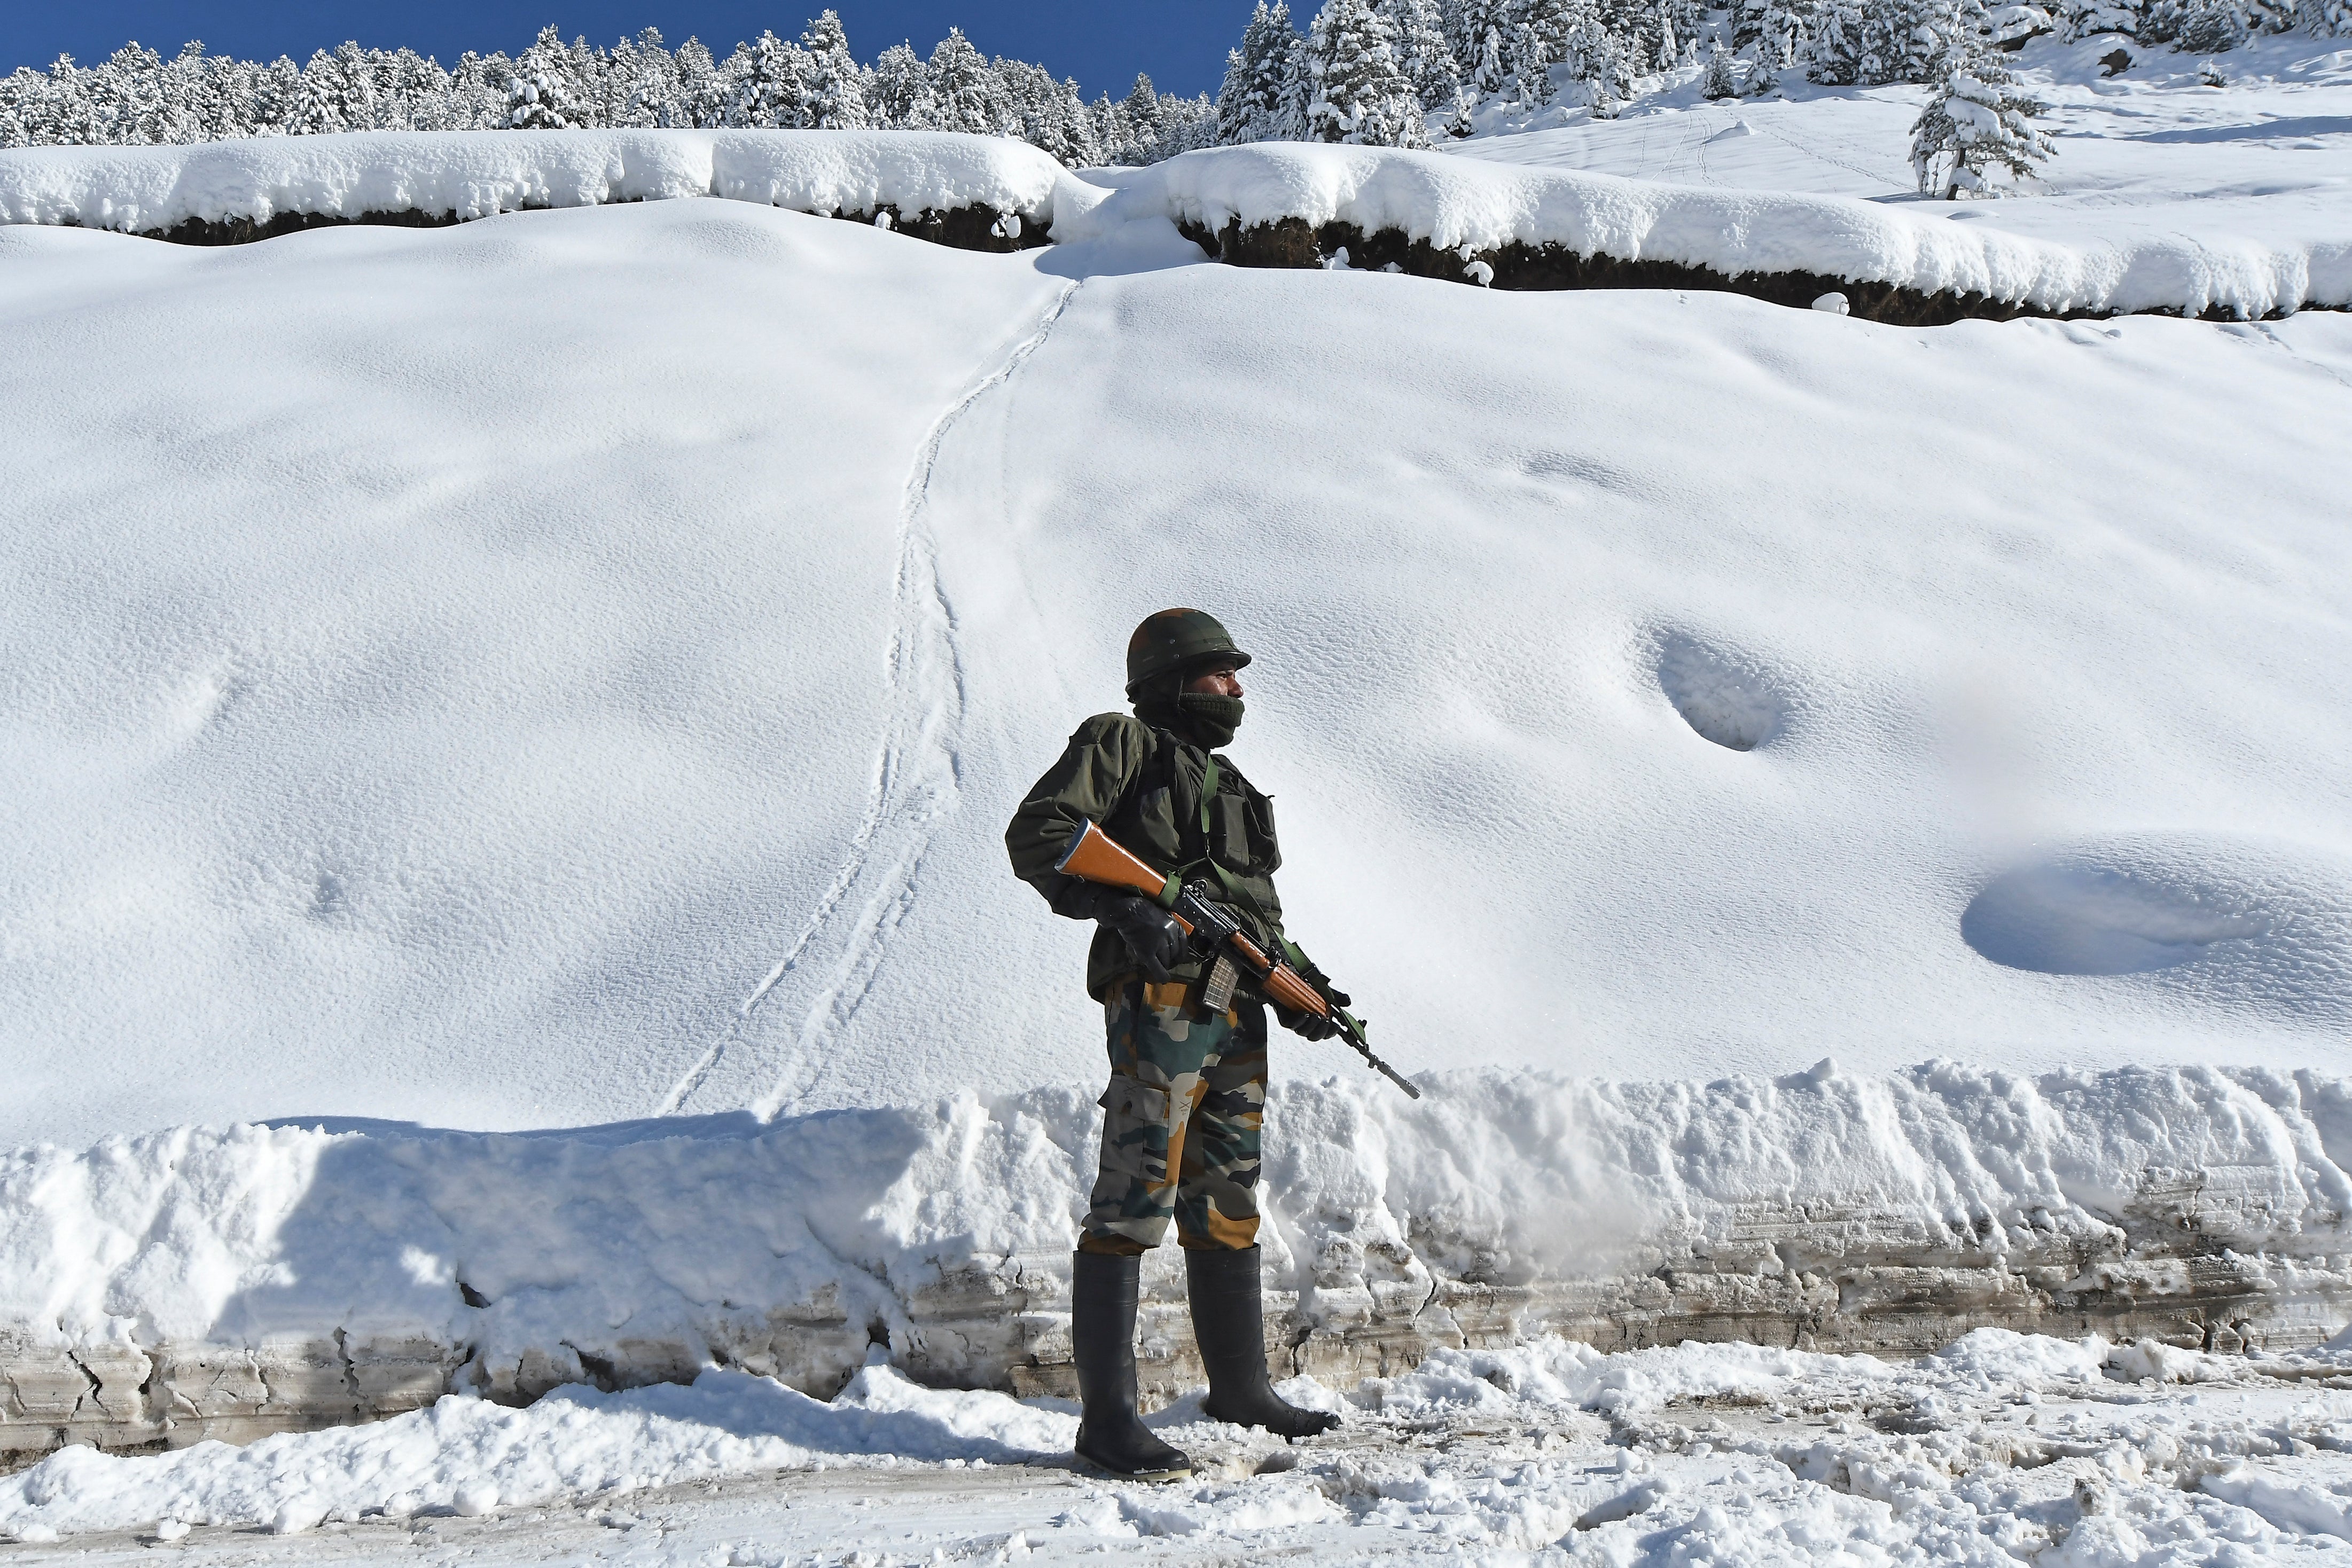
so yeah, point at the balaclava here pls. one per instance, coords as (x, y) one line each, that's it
(1205, 717)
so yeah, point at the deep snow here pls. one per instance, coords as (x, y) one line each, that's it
(576, 666)
(573, 668)
(584, 1244)
(2001, 1449)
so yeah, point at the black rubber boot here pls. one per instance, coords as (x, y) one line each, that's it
(1229, 1324)
(1102, 1343)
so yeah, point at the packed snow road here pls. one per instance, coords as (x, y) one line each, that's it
(2002, 1449)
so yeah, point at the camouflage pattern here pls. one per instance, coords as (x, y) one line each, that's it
(1142, 786)
(1180, 1123)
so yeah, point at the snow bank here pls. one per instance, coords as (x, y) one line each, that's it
(1477, 208)
(1751, 1452)
(475, 173)
(467, 1457)
(1501, 1204)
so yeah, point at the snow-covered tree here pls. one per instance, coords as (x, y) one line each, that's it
(540, 93)
(1975, 121)
(2080, 20)
(641, 84)
(1835, 55)
(965, 92)
(1481, 32)
(1418, 42)
(704, 98)
(833, 92)
(1721, 80)
(898, 93)
(767, 74)
(1783, 33)
(1264, 97)
(1361, 96)
(1049, 115)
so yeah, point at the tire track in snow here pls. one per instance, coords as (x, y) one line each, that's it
(917, 779)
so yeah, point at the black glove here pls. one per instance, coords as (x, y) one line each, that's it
(1150, 933)
(1314, 1026)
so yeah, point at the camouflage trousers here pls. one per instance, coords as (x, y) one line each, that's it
(1180, 1123)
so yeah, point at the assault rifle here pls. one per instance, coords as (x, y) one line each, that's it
(1094, 856)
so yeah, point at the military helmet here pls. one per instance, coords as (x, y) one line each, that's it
(1176, 640)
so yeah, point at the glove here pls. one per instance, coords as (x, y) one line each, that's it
(1314, 1026)
(1150, 932)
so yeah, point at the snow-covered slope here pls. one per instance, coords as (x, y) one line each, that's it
(575, 667)
(2196, 182)
(461, 677)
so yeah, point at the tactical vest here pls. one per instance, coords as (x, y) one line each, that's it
(1230, 846)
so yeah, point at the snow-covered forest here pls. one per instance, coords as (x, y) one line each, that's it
(1371, 72)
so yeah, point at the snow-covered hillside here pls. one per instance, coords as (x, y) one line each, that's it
(576, 666)
(573, 669)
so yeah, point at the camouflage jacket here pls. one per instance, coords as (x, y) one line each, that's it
(1142, 787)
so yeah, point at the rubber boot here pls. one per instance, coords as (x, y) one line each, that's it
(1229, 1324)
(1102, 1343)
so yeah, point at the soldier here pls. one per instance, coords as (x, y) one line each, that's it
(1187, 1093)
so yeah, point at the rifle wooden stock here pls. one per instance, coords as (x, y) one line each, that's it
(1093, 855)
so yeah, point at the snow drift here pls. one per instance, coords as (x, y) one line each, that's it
(1475, 211)
(1279, 203)
(470, 175)
(203, 1282)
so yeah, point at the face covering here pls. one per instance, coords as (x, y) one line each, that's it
(1211, 719)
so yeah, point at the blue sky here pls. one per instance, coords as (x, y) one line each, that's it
(1182, 43)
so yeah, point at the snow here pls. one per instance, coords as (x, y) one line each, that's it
(2234, 201)
(528, 708)
(707, 1234)
(543, 731)
(626, 725)
(2149, 165)
(2004, 1447)
(476, 173)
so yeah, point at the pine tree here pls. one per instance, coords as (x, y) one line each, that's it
(1720, 81)
(1481, 32)
(1784, 32)
(539, 93)
(968, 96)
(330, 98)
(1593, 55)
(703, 99)
(1975, 120)
(2079, 19)
(1420, 49)
(643, 83)
(1361, 97)
(898, 94)
(1260, 100)
(582, 69)
(833, 94)
(767, 74)
(1143, 126)
(1835, 53)
(275, 90)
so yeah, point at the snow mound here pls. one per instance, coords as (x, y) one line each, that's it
(467, 1457)
(476, 173)
(1746, 1456)
(664, 1244)
(1474, 206)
